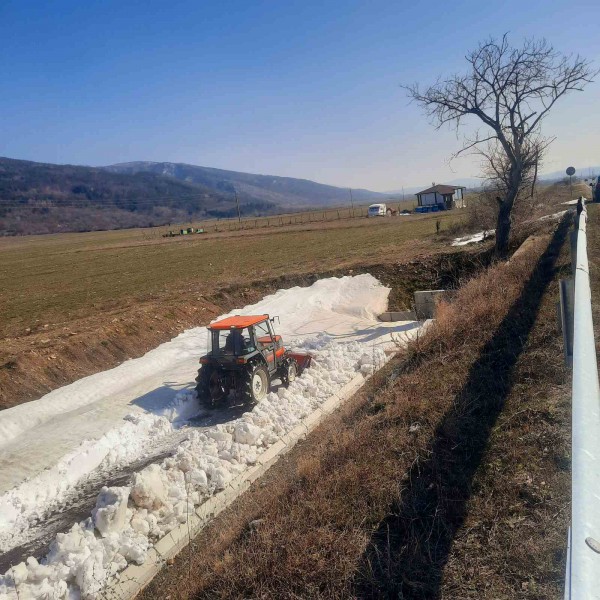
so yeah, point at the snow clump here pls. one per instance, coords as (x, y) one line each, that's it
(127, 520)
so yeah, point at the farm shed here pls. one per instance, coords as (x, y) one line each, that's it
(445, 197)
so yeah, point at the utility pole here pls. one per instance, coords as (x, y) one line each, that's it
(351, 201)
(238, 206)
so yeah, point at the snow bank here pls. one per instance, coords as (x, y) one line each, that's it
(336, 302)
(554, 216)
(360, 296)
(482, 235)
(472, 239)
(33, 499)
(80, 561)
(339, 305)
(127, 520)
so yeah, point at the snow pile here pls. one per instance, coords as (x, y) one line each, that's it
(127, 520)
(483, 235)
(80, 561)
(209, 459)
(344, 304)
(110, 511)
(185, 406)
(553, 216)
(472, 239)
(37, 497)
(360, 296)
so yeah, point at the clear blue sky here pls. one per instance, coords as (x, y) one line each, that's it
(303, 89)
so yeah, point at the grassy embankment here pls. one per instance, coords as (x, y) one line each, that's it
(447, 476)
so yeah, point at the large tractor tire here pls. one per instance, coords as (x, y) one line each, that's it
(288, 371)
(256, 384)
(210, 387)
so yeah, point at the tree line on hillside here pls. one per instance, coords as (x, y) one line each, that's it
(37, 198)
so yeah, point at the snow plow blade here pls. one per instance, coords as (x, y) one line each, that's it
(302, 359)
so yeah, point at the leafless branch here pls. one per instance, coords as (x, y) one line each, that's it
(510, 90)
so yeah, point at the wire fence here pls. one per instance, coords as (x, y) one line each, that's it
(282, 220)
(180, 225)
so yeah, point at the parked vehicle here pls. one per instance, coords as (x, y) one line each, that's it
(379, 210)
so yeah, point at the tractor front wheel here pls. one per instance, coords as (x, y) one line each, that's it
(256, 384)
(288, 371)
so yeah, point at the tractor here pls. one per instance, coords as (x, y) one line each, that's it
(244, 356)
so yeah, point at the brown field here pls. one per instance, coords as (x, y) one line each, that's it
(75, 304)
(61, 277)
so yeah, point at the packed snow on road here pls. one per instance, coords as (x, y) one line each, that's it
(110, 420)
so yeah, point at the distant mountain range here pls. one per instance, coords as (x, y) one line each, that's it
(46, 198)
(284, 192)
(583, 173)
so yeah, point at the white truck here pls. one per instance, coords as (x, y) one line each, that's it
(379, 210)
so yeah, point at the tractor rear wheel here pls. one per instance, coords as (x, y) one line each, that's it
(256, 384)
(210, 386)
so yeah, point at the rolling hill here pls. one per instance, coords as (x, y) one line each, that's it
(286, 192)
(47, 198)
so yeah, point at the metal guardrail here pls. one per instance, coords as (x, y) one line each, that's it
(582, 580)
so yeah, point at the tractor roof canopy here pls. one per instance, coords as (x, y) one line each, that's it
(238, 322)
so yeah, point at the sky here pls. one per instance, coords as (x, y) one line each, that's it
(300, 89)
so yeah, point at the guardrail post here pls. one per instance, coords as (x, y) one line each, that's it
(573, 242)
(565, 307)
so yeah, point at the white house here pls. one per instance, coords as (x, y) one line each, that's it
(443, 196)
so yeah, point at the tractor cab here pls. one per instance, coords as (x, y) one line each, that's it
(244, 355)
(242, 338)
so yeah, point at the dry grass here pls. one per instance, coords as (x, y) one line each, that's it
(483, 208)
(59, 278)
(399, 494)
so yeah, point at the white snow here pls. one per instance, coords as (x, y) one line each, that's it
(556, 215)
(34, 498)
(483, 235)
(110, 512)
(472, 239)
(334, 319)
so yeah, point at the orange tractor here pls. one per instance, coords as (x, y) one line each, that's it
(244, 356)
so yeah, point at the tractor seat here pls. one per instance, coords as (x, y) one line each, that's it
(267, 339)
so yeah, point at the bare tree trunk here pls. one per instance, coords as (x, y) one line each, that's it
(503, 227)
(505, 207)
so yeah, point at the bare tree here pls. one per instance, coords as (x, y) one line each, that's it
(510, 91)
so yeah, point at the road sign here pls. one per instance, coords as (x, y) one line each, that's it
(571, 171)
